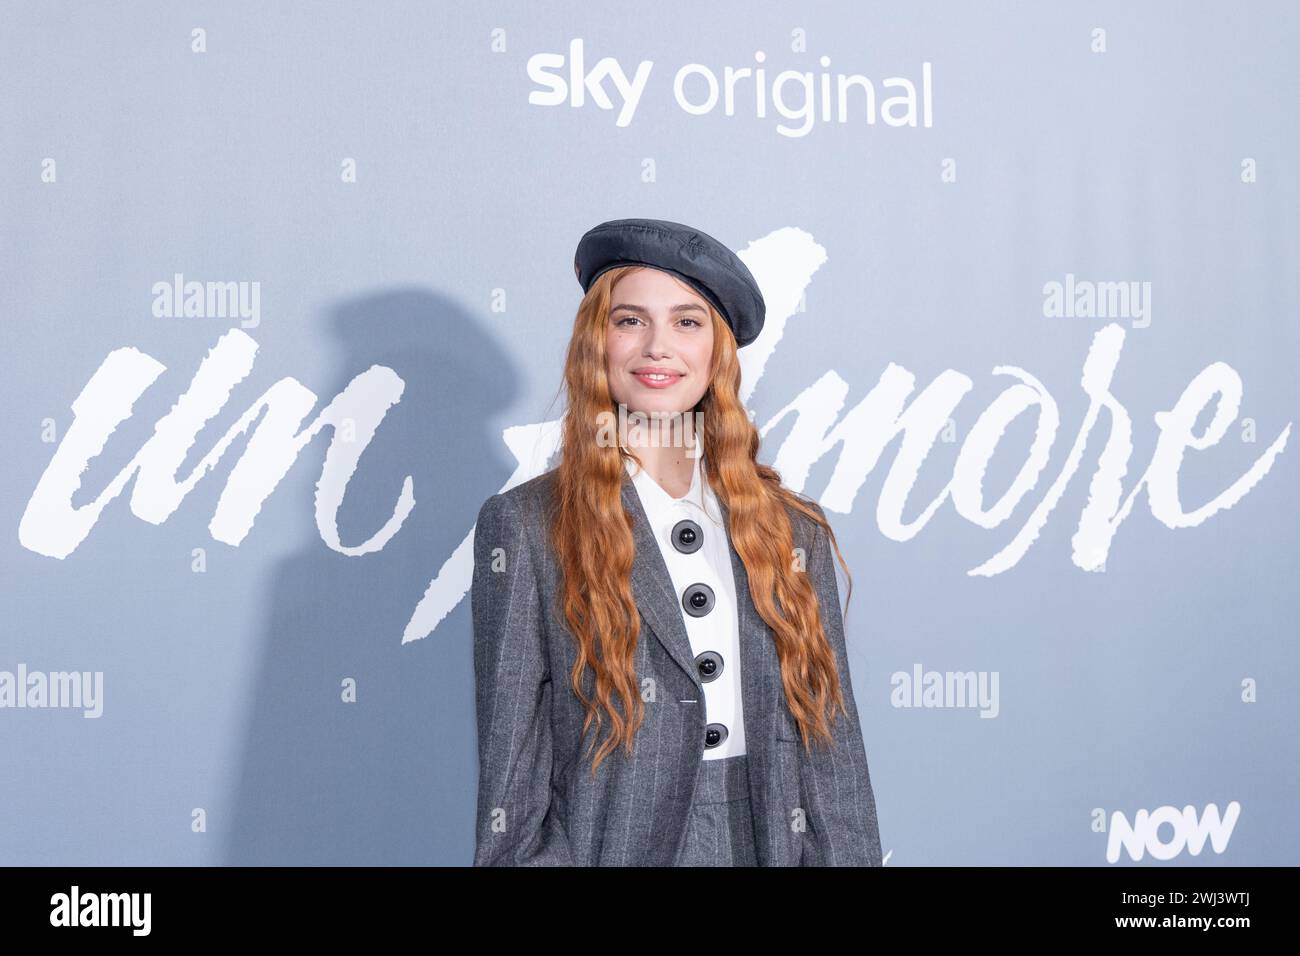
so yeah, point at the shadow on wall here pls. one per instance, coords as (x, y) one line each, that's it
(390, 779)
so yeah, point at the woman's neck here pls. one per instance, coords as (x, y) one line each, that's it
(672, 467)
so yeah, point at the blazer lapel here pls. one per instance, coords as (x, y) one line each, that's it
(652, 587)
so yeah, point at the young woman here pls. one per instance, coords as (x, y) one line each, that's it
(658, 645)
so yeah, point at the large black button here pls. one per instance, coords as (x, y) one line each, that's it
(698, 600)
(709, 664)
(714, 734)
(688, 537)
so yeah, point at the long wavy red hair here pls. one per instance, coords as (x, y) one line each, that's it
(591, 534)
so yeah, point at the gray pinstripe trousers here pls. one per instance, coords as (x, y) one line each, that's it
(720, 828)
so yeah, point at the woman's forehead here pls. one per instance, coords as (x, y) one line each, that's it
(654, 281)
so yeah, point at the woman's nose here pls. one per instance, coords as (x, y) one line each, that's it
(657, 342)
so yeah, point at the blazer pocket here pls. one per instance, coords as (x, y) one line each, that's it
(786, 728)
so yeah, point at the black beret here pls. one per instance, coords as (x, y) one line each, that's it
(713, 270)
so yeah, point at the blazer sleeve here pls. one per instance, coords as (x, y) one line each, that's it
(517, 825)
(842, 829)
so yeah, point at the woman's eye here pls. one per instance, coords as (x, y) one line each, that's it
(694, 323)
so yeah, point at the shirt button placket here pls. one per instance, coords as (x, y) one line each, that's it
(698, 600)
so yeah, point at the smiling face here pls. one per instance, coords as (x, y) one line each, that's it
(659, 343)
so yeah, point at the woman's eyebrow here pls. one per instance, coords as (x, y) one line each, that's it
(683, 307)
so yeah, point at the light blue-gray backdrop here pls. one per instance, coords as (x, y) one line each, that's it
(378, 174)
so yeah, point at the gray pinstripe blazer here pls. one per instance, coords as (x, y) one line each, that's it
(538, 804)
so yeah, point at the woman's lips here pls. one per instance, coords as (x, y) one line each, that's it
(651, 380)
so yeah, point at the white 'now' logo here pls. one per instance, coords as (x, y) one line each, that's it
(1144, 833)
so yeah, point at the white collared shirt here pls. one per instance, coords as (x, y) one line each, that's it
(719, 629)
